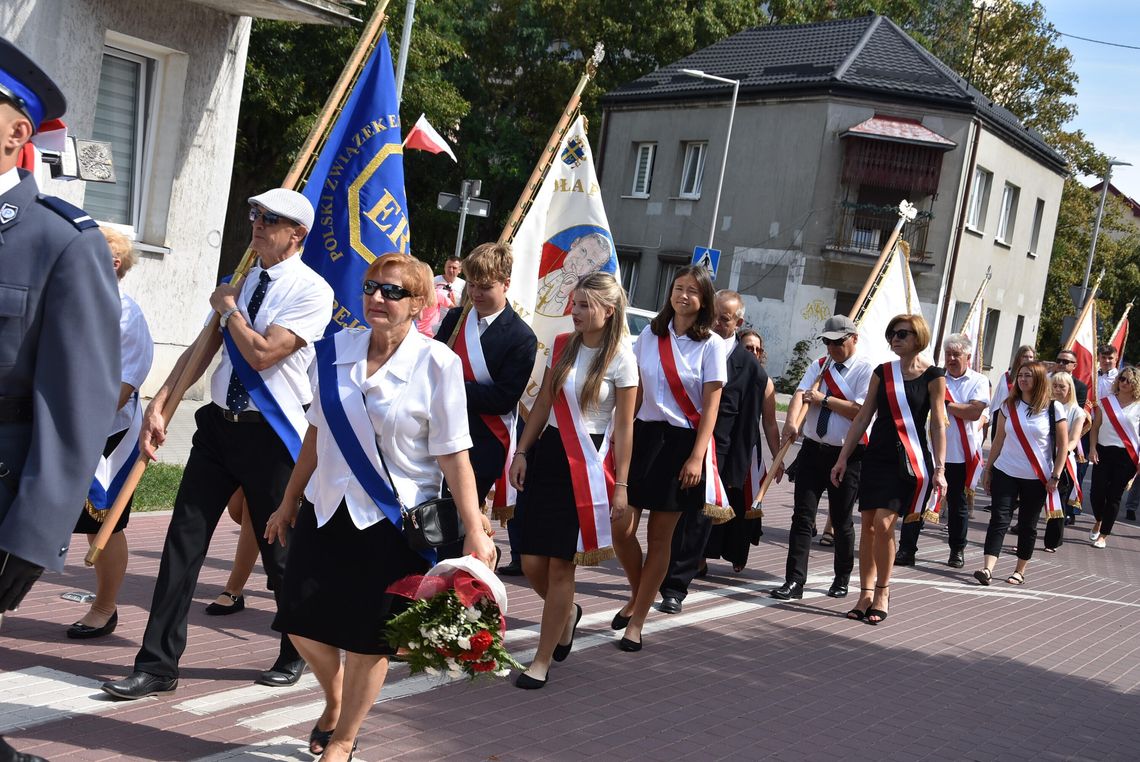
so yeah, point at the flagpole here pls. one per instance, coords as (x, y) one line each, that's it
(977, 299)
(980, 344)
(209, 339)
(907, 212)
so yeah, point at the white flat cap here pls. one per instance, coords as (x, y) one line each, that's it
(287, 203)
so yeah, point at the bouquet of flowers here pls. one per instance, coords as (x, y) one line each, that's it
(455, 625)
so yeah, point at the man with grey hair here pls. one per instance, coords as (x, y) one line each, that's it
(967, 396)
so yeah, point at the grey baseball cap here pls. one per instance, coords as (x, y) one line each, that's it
(838, 326)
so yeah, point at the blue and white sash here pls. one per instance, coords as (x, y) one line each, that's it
(344, 411)
(273, 398)
(113, 469)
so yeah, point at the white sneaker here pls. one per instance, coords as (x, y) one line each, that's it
(1094, 536)
(1100, 543)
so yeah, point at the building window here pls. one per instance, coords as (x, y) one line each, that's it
(961, 310)
(993, 317)
(122, 118)
(693, 169)
(1017, 330)
(1038, 215)
(667, 267)
(643, 169)
(979, 198)
(628, 263)
(1008, 217)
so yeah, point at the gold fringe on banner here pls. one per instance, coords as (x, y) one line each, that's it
(1050, 515)
(756, 512)
(931, 516)
(912, 517)
(94, 512)
(719, 514)
(594, 557)
(503, 514)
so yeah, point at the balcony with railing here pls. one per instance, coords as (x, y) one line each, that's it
(863, 229)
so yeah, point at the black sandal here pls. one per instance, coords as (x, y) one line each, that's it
(860, 614)
(882, 615)
(319, 738)
(983, 576)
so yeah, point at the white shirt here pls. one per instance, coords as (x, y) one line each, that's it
(1012, 460)
(1001, 392)
(9, 180)
(137, 352)
(418, 410)
(456, 288)
(298, 300)
(1075, 417)
(1107, 436)
(971, 386)
(857, 376)
(700, 363)
(485, 322)
(621, 374)
(1104, 383)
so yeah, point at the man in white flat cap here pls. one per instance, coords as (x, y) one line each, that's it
(249, 437)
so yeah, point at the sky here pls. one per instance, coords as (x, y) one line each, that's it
(1108, 88)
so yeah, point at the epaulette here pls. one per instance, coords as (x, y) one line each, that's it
(72, 213)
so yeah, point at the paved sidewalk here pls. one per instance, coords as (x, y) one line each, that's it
(1047, 671)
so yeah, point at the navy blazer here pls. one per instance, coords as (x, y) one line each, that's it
(737, 427)
(509, 347)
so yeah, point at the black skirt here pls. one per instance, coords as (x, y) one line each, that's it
(335, 581)
(546, 517)
(659, 451)
(880, 485)
(88, 524)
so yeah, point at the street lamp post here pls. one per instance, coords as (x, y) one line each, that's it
(727, 138)
(1096, 226)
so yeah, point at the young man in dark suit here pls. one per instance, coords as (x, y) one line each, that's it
(496, 367)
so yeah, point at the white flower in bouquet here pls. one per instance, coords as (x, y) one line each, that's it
(502, 672)
(473, 615)
(464, 642)
(433, 671)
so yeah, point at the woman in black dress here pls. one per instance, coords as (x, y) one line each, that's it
(396, 395)
(886, 489)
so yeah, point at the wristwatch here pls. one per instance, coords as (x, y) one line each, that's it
(823, 401)
(225, 318)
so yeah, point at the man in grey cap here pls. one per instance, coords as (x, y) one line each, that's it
(843, 379)
(249, 437)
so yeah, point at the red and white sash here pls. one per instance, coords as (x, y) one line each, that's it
(591, 470)
(838, 387)
(1077, 495)
(470, 351)
(907, 430)
(716, 500)
(1041, 460)
(1124, 430)
(971, 449)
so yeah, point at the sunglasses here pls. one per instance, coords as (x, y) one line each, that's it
(269, 218)
(1059, 361)
(900, 333)
(835, 342)
(390, 291)
(754, 350)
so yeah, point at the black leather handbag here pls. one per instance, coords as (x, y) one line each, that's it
(430, 524)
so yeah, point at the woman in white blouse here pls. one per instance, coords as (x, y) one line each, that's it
(1065, 392)
(386, 387)
(560, 521)
(1113, 456)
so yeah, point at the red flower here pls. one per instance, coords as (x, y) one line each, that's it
(484, 666)
(481, 641)
(445, 652)
(469, 656)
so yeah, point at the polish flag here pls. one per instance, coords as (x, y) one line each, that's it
(423, 137)
(1083, 345)
(1120, 338)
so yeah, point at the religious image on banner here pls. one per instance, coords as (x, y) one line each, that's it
(564, 236)
(357, 190)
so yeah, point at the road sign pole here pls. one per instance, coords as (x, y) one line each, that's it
(462, 220)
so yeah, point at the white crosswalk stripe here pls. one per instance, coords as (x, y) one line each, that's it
(37, 695)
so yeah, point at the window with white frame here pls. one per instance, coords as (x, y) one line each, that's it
(979, 198)
(123, 118)
(1008, 218)
(693, 169)
(643, 169)
(1035, 238)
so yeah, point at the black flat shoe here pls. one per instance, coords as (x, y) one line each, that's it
(282, 674)
(218, 609)
(562, 651)
(319, 738)
(788, 591)
(528, 683)
(80, 631)
(140, 685)
(631, 646)
(620, 621)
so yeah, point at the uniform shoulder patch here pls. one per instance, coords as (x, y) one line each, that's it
(72, 213)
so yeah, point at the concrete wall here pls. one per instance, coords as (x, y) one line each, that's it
(202, 63)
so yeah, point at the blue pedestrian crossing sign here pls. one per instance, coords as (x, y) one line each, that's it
(707, 258)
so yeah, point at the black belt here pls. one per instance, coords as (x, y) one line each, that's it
(245, 416)
(15, 409)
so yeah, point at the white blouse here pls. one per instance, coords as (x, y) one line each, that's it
(137, 350)
(1012, 460)
(700, 363)
(621, 374)
(418, 409)
(1107, 436)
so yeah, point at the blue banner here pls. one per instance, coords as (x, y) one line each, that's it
(357, 190)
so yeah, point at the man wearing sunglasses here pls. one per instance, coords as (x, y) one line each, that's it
(831, 407)
(249, 437)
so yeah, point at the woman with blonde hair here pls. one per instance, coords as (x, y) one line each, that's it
(1024, 468)
(575, 445)
(901, 470)
(1065, 392)
(1114, 449)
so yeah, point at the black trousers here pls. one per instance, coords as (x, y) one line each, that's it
(957, 520)
(689, 540)
(224, 456)
(1109, 480)
(813, 477)
(1006, 492)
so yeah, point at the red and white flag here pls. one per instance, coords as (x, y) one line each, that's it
(1120, 337)
(424, 137)
(1084, 347)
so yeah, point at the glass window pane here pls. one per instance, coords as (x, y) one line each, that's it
(694, 169)
(117, 122)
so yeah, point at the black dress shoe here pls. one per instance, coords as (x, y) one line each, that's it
(632, 646)
(513, 569)
(528, 683)
(619, 621)
(904, 558)
(957, 559)
(140, 685)
(562, 651)
(218, 609)
(788, 591)
(282, 674)
(80, 631)
(837, 590)
(670, 605)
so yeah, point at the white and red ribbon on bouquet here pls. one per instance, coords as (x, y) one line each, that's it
(1041, 461)
(591, 470)
(907, 431)
(470, 352)
(469, 577)
(1127, 434)
(716, 500)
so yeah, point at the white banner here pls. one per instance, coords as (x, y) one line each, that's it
(894, 296)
